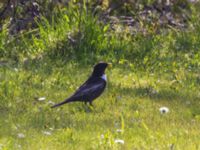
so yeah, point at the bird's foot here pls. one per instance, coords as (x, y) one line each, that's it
(89, 107)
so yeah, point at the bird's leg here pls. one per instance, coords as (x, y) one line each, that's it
(91, 105)
(90, 102)
(87, 107)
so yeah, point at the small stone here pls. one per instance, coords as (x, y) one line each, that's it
(41, 98)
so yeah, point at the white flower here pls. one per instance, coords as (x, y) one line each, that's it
(119, 130)
(51, 103)
(20, 135)
(46, 133)
(164, 110)
(51, 129)
(16, 70)
(102, 136)
(119, 141)
(41, 98)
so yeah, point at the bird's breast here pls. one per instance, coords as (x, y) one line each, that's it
(104, 77)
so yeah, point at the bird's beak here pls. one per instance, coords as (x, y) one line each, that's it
(109, 65)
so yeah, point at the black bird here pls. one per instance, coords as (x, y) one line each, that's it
(92, 88)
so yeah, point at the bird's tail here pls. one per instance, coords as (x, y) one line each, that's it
(61, 103)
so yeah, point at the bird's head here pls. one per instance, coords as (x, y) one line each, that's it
(99, 69)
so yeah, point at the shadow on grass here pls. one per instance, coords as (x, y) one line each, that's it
(164, 93)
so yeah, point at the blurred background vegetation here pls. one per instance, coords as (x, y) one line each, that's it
(145, 35)
(141, 32)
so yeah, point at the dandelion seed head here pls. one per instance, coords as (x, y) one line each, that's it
(164, 110)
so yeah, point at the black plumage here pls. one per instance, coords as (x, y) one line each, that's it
(92, 88)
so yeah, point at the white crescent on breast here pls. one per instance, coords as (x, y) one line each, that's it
(104, 77)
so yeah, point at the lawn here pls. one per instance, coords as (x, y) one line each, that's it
(126, 116)
(152, 99)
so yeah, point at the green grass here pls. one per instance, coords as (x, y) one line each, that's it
(130, 103)
(149, 71)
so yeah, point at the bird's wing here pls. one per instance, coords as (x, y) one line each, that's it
(91, 86)
(90, 90)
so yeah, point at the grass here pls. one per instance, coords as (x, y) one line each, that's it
(130, 104)
(149, 71)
